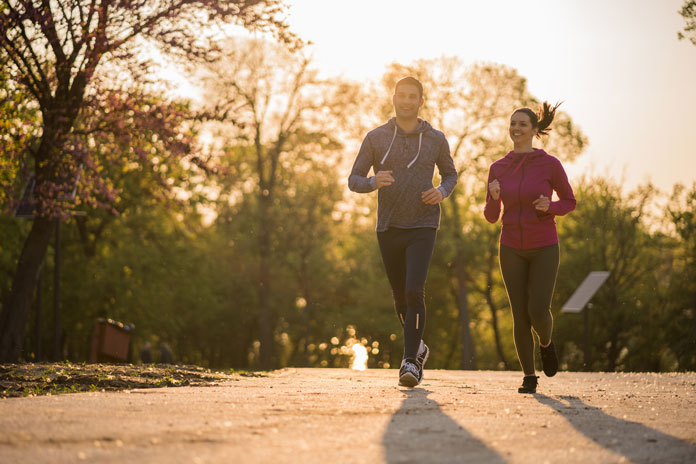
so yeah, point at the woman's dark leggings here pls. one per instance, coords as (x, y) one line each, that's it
(530, 276)
(406, 255)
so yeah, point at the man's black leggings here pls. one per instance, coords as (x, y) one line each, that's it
(530, 276)
(406, 255)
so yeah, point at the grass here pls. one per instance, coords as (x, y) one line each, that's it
(37, 379)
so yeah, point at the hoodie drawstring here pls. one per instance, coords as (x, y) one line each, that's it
(420, 142)
(390, 145)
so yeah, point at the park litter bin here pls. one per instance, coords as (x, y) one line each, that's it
(110, 341)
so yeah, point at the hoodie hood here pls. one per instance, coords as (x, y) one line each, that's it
(423, 126)
(420, 129)
(512, 155)
(516, 160)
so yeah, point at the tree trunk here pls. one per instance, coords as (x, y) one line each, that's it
(59, 117)
(613, 350)
(496, 332)
(14, 317)
(265, 320)
(468, 360)
(454, 344)
(308, 311)
(494, 311)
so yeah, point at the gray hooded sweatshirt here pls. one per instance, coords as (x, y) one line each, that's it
(412, 158)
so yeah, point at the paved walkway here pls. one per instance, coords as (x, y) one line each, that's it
(340, 416)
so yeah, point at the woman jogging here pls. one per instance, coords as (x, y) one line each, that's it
(524, 181)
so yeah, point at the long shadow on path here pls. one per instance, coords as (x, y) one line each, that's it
(421, 432)
(635, 441)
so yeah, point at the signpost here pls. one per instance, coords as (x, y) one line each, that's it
(581, 298)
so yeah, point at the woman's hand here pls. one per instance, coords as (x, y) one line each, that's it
(494, 189)
(384, 179)
(542, 203)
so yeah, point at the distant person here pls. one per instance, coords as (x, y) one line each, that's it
(146, 353)
(403, 154)
(166, 355)
(524, 181)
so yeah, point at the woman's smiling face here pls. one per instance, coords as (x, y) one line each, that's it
(521, 130)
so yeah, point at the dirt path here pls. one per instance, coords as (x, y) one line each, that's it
(341, 416)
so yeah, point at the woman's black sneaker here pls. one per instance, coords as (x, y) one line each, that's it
(549, 360)
(529, 384)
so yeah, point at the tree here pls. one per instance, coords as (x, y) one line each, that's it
(680, 294)
(18, 115)
(17, 130)
(276, 116)
(609, 232)
(688, 12)
(305, 212)
(55, 50)
(137, 261)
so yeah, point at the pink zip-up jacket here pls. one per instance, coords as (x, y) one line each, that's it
(523, 178)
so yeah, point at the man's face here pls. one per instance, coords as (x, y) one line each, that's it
(407, 101)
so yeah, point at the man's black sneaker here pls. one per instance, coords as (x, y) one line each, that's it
(410, 374)
(549, 360)
(529, 384)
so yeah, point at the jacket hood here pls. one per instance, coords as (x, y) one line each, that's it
(514, 156)
(515, 160)
(423, 126)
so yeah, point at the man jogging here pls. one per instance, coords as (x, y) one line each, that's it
(403, 154)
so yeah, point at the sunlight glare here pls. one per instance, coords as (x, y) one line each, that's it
(359, 357)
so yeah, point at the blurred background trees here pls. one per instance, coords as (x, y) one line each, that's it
(223, 226)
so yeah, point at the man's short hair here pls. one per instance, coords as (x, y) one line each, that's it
(410, 81)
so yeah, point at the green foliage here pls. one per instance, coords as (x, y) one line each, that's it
(688, 12)
(679, 294)
(178, 252)
(611, 231)
(59, 56)
(18, 127)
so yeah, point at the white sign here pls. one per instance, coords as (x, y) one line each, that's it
(585, 291)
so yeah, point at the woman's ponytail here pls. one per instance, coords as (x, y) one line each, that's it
(545, 117)
(541, 120)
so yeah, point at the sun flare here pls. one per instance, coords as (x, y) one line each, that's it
(359, 357)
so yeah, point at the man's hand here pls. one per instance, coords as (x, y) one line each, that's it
(432, 196)
(494, 189)
(384, 179)
(542, 203)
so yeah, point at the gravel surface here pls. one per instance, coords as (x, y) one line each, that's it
(340, 416)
